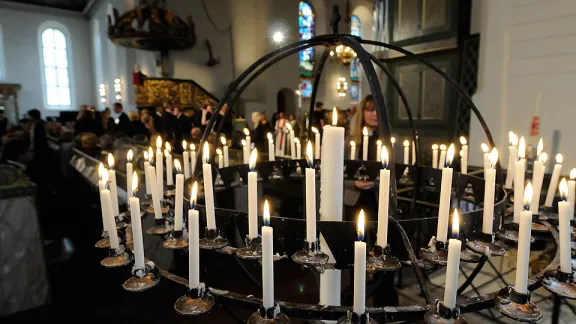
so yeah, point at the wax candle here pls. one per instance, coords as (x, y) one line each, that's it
(106, 201)
(186, 159)
(540, 148)
(406, 152)
(291, 139)
(453, 264)
(359, 306)
(245, 152)
(445, 195)
(393, 140)
(486, 150)
(519, 170)
(129, 170)
(383, 200)
(146, 179)
(298, 149)
(365, 139)
(564, 229)
(178, 198)
(523, 253)
(554, 181)
(435, 156)
(442, 159)
(193, 159)
(489, 189)
(220, 158)
(316, 142)
(537, 179)
(208, 188)
(379, 151)
(271, 152)
(193, 241)
(156, 202)
(253, 196)
(413, 154)
(267, 260)
(169, 173)
(571, 192)
(352, 150)
(102, 183)
(134, 201)
(113, 185)
(159, 168)
(225, 151)
(512, 158)
(248, 138)
(464, 156)
(310, 196)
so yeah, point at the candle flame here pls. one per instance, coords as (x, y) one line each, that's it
(309, 154)
(406, 143)
(246, 131)
(269, 135)
(392, 140)
(540, 147)
(379, 143)
(493, 158)
(450, 155)
(485, 148)
(315, 130)
(194, 195)
(563, 189)
(511, 137)
(266, 214)
(365, 131)
(184, 145)
(253, 158)
(543, 157)
(206, 153)
(360, 225)
(168, 147)
(177, 166)
(134, 184)
(334, 117)
(223, 140)
(146, 156)
(158, 143)
(296, 140)
(102, 170)
(522, 148)
(435, 147)
(150, 153)
(455, 224)
(243, 142)
(105, 176)
(559, 158)
(443, 147)
(352, 144)
(463, 140)
(129, 156)
(218, 151)
(528, 192)
(192, 147)
(573, 174)
(110, 160)
(385, 157)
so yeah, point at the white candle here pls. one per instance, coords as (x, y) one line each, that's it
(134, 202)
(519, 174)
(486, 150)
(512, 158)
(253, 196)
(146, 176)
(359, 306)
(193, 242)
(365, 144)
(310, 196)
(179, 197)
(489, 189)
(464, 156)
(554, 181)
(193, 159)
(220, 158)
(103, 176)
(245, 152)
(169, 173)
(292, 143)
(113, 185)
(435, 156)
(537, 178)
(159, 168)
(352, 150)
(225, 151)
(316, 142)
(445, 195)
(248, 138)
(413, 154)
(442, 159)
(572, 192)
(156, 203)
(129, 170)
(208, 188)
(383, 201)
(106, 199)
(406, 152)
(267, 260)
(379, 151)
(298, 149)
(393, 140)
(453, 264)
(271, 152)
(186, 159)
(565, 229)
(523, 253)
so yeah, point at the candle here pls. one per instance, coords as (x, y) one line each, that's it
(316, 142)
(208, 190)
(113, 185)
(253, 196)
(359, 306)
(406, 152)
(393, 140)
(220, 158)
(352, 150)
(310, 196)
(486, 150)
(134, 202)
(129, 170)
(435, 156)
(193, 159)
(554, 181)
(572, 192)
(267, 260)
(178, 198)
(298, 149)
(291, 139)
(271, 152)
(186, 159)
(146, 179)
(565, 229)
(523, 254)
(103, 176)
(169, 174)
(106, 201)
(519, 170)
(225, 151)
(248, 138)
(453, 264)
(156, 203)
(442, 160)
(159, 168)
(383, 194)
(193, 241)
(464, 156)
(489, 188)
(378, 150)
(445, 195)
(512, 158)
(540, 148)
(537, 178)
(413, 153)
(365, 144)
(245, 152)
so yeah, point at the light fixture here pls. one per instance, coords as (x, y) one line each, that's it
(118, 89)
(278, 37)
(343, 54)
(102, 92)
(342, 87)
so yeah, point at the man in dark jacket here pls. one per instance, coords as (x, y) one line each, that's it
(122, 122)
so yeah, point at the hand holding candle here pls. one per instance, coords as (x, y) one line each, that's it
(489, 189)
(360, 269)
(267, 260)
(523, 254)
(554, 181)
(383, 201)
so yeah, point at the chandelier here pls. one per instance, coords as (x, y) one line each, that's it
(342, 87)
(343, 53)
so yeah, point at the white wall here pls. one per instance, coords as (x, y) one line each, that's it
(526, 47)
(22, 55)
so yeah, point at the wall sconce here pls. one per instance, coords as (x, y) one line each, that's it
(342, 87)
(102, 92)
(118, 89)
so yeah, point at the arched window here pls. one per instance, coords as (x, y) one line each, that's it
(55, 61)
(355, 30)
(306, 21)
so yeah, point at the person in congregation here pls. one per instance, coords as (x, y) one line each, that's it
(122, 121)
(18, 153)
(224, 122)
(135, 126)
(279, 130)
(185, 123)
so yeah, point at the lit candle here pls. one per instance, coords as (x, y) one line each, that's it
(267, 260)
(435, 156)
(113, 185)
(352, 150)
(537, 179)
(489, 188)
(540, 148)
(393, 140)
(253, 196)
(406, 152)
(565, 229)
(129, 170)
(248, 138)
(245, 152)
(291, 139)
(106, 201)
(193, 241)
(220, 158)
(523, 253)
(225, 151)
(384, 193)
(378, 150)
(146, 177)
(512, 158)
(134, 202)
(169, 174)
(464, 156)
(271, 152)
(413, 154)
(519, 170)
(178, 198)
(359, 306)
(310, 196)
(442, 160)
(193, 159)
(554, 181)
(186, 159)
(365, 144)
(486, 150)
(156, 202)
(572, 192)
(316, 142)
(298, 149)
(445, 195)
(103, 176)
(453, 264)
(159, 168)
(208, 188)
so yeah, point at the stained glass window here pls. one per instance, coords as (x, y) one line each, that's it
(355, 26)
(306, 30)
(56, 68)
(355, 29)
(306, 88)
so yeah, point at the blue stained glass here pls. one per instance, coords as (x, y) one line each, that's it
(354, 93)
(306, 31)
(355, 29)
(355, 26)
(306, 88)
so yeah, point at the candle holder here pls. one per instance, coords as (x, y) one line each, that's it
(381, 259)
(484, 245)
(517, 306)
(212, 240)
(437, 253)
(272, 315)
(129, 214)
(253, 249)
(164, 209)
(444, 315)
(196, 301)
(170, 193)
(509, 233)
(310, 255)
(121, 222)
(146, 201)
(143, 278)
(103, 243)
(159, 227)
(116, 258)
(561, 284)
(355, 318)
(176, 241)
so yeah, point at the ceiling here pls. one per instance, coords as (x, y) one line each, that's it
(74, 5)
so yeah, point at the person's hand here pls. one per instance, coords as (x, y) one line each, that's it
(364, 185)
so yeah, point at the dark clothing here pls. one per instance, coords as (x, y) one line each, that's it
(135, 127)
(372, 147)
(316, 119)
(123, 124)
(260, 133)
(170, 123)
(85, 125)
(185, 124)
(226, 123)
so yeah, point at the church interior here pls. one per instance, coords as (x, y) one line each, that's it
(287, 161)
